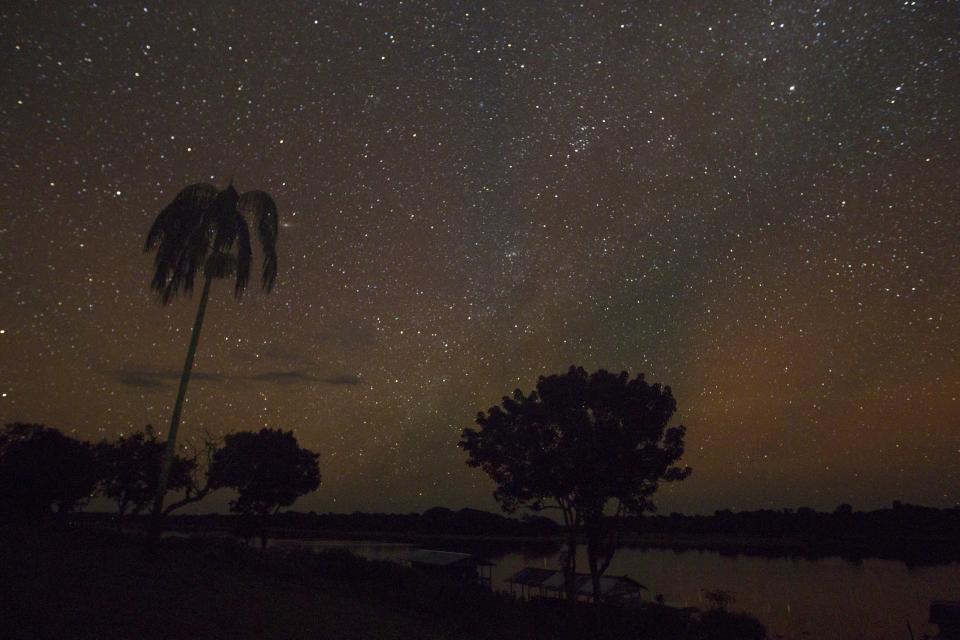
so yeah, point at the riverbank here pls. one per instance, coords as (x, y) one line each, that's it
(915, 550)
(94, 584)
(913, 535)
(912, 550)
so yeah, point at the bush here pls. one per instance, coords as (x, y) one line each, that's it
(724, 625)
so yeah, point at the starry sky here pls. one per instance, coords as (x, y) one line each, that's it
(757, 203)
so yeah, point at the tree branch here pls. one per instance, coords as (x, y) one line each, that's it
(193, 492)
(614, 541)
(187, 499)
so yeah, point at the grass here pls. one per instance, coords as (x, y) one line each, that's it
(67, 583)
(80, 586)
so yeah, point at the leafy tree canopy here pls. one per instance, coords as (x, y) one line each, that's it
(130, 468)
(268, 469)
(42, 470)
(578, 441)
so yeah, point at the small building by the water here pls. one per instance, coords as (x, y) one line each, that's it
(946, 615)
(462, 566)
(533, 582)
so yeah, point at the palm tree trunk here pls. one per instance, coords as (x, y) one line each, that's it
(570, 568)
(594, 573)
(264, 532)
(168, 455)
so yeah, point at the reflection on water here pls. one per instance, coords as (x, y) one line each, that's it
(795, 598)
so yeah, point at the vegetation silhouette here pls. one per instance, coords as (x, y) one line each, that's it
(724, 623)
(205, 231)
(577, 443)
(43, 471)
(913, 534)
(130, 470)
(46, 473)
(268, 470)
(719, 599)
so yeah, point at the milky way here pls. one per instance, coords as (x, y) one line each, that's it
(756, 203)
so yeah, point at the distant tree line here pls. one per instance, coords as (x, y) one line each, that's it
(899, 520)
(902, 521)
(45, 473)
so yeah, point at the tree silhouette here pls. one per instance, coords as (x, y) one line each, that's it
(204, 230)
(268, 469)
(130, 470)
(578, 443)
(42, 470)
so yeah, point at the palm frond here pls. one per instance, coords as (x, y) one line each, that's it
(224, 214)
(180, 255)
(192, 199)
(220, 265)
(203, 231)
(244, 255)
(180, 237)
(263, 209)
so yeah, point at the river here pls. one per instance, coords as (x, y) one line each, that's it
(795, 598)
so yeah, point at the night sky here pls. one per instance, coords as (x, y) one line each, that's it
(757, 203)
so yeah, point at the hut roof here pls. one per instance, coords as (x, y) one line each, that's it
(609, 585)
(554, 581)
(437, 558)
(531, 576)
(943, 612)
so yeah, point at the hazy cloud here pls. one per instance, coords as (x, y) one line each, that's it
(153, 378)
(345, 379)
(289, 377)
(283, 377)
(146, 378)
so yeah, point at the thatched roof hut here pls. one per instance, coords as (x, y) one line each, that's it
(533, 581)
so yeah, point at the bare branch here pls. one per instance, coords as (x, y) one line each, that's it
(194, 492)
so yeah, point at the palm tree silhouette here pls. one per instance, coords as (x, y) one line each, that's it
(204, 230)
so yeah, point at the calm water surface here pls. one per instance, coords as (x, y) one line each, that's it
(795, 598)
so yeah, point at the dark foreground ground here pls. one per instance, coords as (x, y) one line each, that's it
(65, 583)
